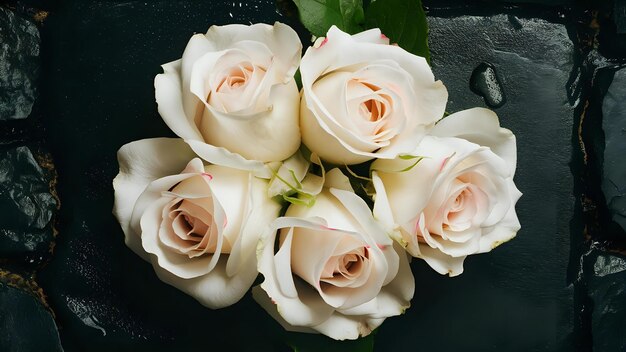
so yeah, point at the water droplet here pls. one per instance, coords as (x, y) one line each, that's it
(485, 82)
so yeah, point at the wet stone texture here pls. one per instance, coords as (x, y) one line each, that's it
(515, 298)
(607, 291)
(19, 65)
(614, 168)
(26, 205)
(25, 324)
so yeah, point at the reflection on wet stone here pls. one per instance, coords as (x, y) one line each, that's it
(19, 65)
(614, 168)
(485, 82)
(26, 204)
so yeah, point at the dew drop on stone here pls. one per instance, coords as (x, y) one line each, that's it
(485, 82)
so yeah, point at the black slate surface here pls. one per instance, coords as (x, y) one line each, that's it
(614, 168)
(606, 278)
(25, 324)
(543, 291)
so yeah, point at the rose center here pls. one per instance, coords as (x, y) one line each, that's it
(373, 110)
(195, 228)
(345, 266)
(191, 228)
(460, 211)
(236, 77)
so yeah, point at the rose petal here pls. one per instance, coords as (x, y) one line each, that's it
(169, 97)
(178, 264)
(276, 130)
(215, 289)
(308, 308)
(221, 156)
(140, 163)
(441, 262)
(480, 126)
(197, 46)
(281, 39)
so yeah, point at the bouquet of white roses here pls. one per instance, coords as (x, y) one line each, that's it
(326, 190)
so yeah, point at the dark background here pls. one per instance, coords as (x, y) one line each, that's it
(76, 83)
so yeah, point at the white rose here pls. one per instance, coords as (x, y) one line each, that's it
(336, 271)
(459, 199)
(199, 228)
(363, 98)
(234, 88)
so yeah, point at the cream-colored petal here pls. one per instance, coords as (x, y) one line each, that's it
(480, 126)
(261, 297)
(259, 212)
(276, 131)
(169, 96)
(441, 262)
(197, 46)
(371, 36)
(308, 308)
(221, 156)
(506, 229)
(215, 289)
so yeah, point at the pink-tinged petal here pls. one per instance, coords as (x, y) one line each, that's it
(394, 298)
(275, 128)
(371, 36)
(325, 128)
(281, 39)
(141, 162)
(178, 264)
(155, 189)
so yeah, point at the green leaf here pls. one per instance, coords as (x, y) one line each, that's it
(316, 343)
(319, 15)
(403, 21)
